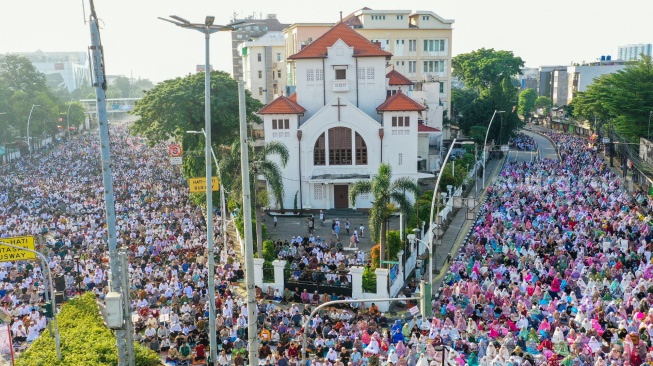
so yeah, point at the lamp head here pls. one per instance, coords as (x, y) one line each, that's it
(209, 20)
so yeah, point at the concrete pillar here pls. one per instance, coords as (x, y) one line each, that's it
(356, 281)
(279, 280)
(382, 278)
(400, 258)
(258, 272)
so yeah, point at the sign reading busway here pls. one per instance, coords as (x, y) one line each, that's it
(9, 254)
(198, 185)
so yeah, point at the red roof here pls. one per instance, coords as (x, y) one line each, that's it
(362, 46)
(426, 129)
(293, 97)
(399, 102)
(396, 78)
(282, 105)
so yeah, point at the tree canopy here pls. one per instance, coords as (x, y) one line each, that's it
(488, 78)
(177, 105)
(526, 104)
(624, 97)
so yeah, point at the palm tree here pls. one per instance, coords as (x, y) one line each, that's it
(259, 164)
(386, 194)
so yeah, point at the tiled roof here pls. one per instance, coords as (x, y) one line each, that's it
(426, 129)
(399, 102)
(293, 97)
(282, 105)
(396, 78)
(362, 46)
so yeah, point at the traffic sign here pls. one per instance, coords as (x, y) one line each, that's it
(174, 150)
(505, 148)
(9, 254)
(414, 310)
(389, 262)
(175, 160)
(198, 185)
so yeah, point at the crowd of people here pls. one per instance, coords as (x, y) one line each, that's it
(523, 142)
(557, 269)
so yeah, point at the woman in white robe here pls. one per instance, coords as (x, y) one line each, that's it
(422, 361)
(373, 347)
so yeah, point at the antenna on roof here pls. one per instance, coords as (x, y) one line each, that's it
(341, 15)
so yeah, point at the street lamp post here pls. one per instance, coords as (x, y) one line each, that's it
(4, 136)
(648, 135)
(485, 143)
(68, 117)
(29, 145)
(207, 28)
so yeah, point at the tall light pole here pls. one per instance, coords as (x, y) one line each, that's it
(29, 119)
(207, 28)
(485, 143)
(648, 135)
(68, 117)
(4, 137)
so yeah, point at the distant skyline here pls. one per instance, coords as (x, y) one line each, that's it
(136, 43)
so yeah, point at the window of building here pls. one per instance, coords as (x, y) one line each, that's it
(425, 17)
(378, 17)
(412, 45)
(401, 121)
(361, 73)
(341, 74)
(260, 74)
(361, 150)
(433, 66)
(319, 74)
(399, 41)
(279, 73)
(400, 17)
(275, 90)
(260, 91)
(400, 159)
(412, 67)
(370, 73)
(441, 88)
(259, 57)
(434, 45)
(281, 124)
(319, 156)
(318, 192)
(400, 63)
(340, 146)
(310, 75)
(278, 57)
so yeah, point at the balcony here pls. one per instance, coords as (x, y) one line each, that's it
(340, 86)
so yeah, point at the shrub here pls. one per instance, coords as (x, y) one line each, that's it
(369, 280)
(269, 252)
(84, 340)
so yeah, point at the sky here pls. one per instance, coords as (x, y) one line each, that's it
(554, 32)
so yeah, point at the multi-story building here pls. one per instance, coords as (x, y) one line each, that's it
(263, 69)
(635, 51)
(346, 117)
(68, 70)
(420, 43)
(254, 28)
(559, 89)
(580, 77)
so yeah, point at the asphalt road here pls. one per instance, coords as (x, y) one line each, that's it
(547, 150)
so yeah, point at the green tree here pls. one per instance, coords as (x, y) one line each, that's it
(18, 73)
(266, 161)
(123, 85)
(76, 114)
(624, 97)
(527, 102)
(175, 106)
(385, 195)
(544, 102)
(485, 69)
(453, 174)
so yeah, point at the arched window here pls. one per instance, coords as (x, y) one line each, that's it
(361, 150)
(340, 146)
(319, 155)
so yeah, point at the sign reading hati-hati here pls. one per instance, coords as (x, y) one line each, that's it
(198, 185)
(9, 254)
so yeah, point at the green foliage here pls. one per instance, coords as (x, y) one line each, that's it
(421, 211)
(369, 279)
(527, 102)
(478, 133)
(175, 106)
(295, 207)
(451, 175)
(385, 194)
(544, 102)
(84, 340)
(485, 69)
(394, 244)
(624, 97)
(269, 254)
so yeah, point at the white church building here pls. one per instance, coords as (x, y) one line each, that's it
(346, 117)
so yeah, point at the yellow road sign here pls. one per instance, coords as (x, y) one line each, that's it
(198, 185)
(9, 254)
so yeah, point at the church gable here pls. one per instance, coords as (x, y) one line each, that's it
(339, 110)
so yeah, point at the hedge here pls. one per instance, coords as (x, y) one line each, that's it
(85, 340)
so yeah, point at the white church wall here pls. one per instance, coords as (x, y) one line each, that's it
(310, 93)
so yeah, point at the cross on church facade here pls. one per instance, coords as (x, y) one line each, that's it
(338, 105)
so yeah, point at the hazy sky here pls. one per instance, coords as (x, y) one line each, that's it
(135, 41)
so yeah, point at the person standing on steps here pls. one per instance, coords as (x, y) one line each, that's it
(321, 218)
(275, 221)
(347, 226)
(362, 230)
